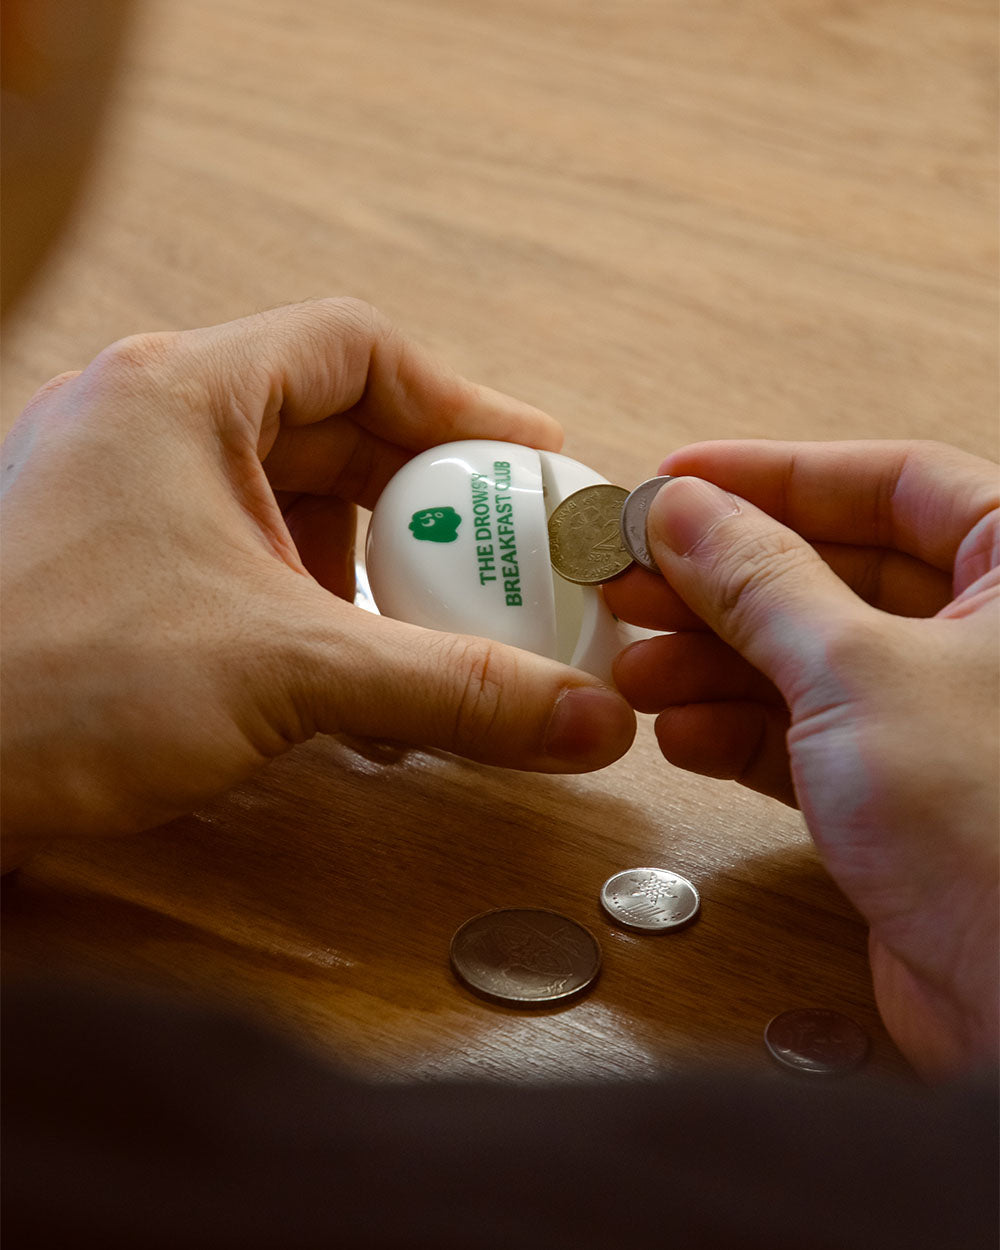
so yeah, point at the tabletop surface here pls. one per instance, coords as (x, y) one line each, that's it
(661, 222)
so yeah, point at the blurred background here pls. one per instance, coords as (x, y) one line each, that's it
(661, 221)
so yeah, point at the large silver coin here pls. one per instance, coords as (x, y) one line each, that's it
(816, 1041)
(524, 956)
(635, 509)
(650, 900)
(585, 541)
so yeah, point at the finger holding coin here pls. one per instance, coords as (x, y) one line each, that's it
(597, 536)
(643, 596)
(635, 510)
(598, 532)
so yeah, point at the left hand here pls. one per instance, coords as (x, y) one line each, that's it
(179, 527)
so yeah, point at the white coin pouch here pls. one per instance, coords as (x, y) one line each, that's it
(458, 541)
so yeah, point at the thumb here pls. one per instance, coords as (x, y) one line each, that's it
(757, 584)
(477, 698)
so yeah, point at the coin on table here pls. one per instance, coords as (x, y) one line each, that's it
(585, 540)
(635, 509)
(816, 1041)
(524, 956)
(650, 900)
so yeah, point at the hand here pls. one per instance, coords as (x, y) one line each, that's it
(837, 647)
(179, 524)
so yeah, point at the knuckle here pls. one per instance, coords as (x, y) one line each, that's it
(481, 690)
(53, 384)
(134, 358)
(46, 392)
(354, 314)
(927, 451)
(753, 567)
(352, 327)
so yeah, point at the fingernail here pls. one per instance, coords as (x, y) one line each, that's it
(588, 723)
(685, 511)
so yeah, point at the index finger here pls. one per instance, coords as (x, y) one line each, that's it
(300, 364)
(921, 498)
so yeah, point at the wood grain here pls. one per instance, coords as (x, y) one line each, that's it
(661, 222)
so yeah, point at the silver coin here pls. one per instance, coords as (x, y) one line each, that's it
(816, 1041)
(650, 900)
(525, 956)
(633, 522)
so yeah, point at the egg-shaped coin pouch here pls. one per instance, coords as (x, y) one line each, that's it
(458, 541)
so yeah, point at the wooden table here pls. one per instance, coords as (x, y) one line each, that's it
(660, 221)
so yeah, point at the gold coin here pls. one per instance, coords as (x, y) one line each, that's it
(585, 538)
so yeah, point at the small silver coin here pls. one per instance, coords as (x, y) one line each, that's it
(650, 900)
(525, 956)
(633, 522)
(816, 1041)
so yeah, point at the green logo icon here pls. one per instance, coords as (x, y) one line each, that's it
(436, 525)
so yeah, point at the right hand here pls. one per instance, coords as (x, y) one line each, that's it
(837, 648)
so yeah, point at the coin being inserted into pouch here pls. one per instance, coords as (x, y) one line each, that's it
(600, 531)
(525, 957)
(585, 539)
